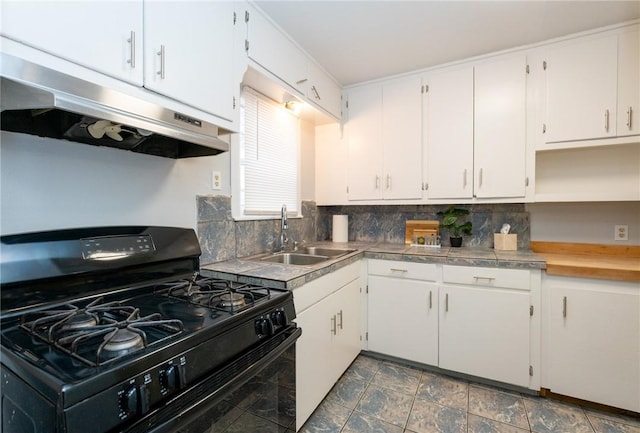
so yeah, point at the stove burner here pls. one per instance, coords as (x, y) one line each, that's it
(232, 299)
(122, 340)
(79, 321)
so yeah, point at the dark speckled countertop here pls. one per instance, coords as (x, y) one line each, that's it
(249, 270)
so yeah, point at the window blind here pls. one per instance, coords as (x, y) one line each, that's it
(269, 145)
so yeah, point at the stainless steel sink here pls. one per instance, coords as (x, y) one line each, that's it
(320, 251)
(295, 259)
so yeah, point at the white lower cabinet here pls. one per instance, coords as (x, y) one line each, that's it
(328, 310)
(593, 340)
(403, 318)
(471, 320)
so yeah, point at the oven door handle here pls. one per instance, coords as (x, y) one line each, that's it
(197, 399)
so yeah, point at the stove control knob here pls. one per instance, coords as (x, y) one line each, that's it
(279, 318)
(169, 377)
(130, 401)
(264, 327)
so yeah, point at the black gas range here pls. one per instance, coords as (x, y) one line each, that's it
(114, 329)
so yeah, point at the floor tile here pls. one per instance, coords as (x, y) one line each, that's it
(361, 423)
(547, 416)
(633, 421)
(397, 378)
(387, 405)
(443, 390)
(608, 425)
(478, 424)
(327, 418)
(498, 406)
(363, 368)
(347, 391)
(428, 417)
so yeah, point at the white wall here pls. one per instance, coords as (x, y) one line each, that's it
(307, 160)
(49, 184)
(584, 222)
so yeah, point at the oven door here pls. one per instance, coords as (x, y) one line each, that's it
(255, 392)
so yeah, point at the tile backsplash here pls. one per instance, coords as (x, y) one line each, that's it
(222, 238)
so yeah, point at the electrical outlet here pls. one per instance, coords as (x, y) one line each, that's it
(216, 180)
(621, 233)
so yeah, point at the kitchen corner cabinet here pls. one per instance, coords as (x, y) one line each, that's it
(448, 126)
(331, 165)
(328, 310)
(384, 130)
(592, 87)
(485, 323)
(593, 339)
(103, 36)
(323, 91)
(402, 301)
(189, 53)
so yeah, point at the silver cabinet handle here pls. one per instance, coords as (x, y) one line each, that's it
(333, 325)
(340, 315)
(399, 270)
(315, 92)
(480, 179)
(302, 81)
(132, 49)
(162, 56)
(388, 182)
(464, 179)
(606, 120)
(629, 115)
(446, 302)
(488, 279)
(377, 181)
(430, 299)
(564, 307)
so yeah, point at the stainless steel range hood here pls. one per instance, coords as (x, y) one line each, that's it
(41, 101)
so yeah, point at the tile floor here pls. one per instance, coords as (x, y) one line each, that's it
(375, 396)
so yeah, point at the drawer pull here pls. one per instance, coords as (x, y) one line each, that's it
(564, 307)
(488, 279)
(430, 299)
(399, 270)
(446, 302)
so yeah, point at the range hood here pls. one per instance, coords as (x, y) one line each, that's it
(41, 101)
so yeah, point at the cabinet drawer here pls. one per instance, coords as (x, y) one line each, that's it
(487, 277)
(399, 269)
(318, 289)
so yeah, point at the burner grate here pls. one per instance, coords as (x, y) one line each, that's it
(100, 333)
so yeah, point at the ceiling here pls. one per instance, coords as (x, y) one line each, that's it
(356, 41)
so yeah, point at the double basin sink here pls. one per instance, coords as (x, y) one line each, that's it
(305, 256)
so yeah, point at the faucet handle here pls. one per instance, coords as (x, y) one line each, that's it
(295, 245)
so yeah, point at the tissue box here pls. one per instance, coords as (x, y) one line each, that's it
(508, 242)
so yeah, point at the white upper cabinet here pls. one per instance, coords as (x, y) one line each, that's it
(448, 131)
(629, 83)
(500, 127)
(402, 138)
(363, 128)
(189, 53)
(331, 165)
(323, 91)
(101, 35)
(385, 144)
(274, 51)
(581, 89)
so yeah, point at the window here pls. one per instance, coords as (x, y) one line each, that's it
(267, 159)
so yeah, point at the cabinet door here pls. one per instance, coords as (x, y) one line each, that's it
(402, 138)
(365, 142)
(323, 91)
(403, 319)
(581, 90)
(331, 165)
(594, 344)
(189, 53)
(94, 34)
(275, 52)
(314, 367)
(500, 128)
(485, 333)
(349, 318)
(448, 126)
(629, 83)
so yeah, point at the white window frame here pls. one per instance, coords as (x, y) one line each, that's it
(236, 143)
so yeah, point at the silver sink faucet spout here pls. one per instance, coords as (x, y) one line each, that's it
(283, 228)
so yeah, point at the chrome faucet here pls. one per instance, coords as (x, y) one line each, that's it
(283, 228)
